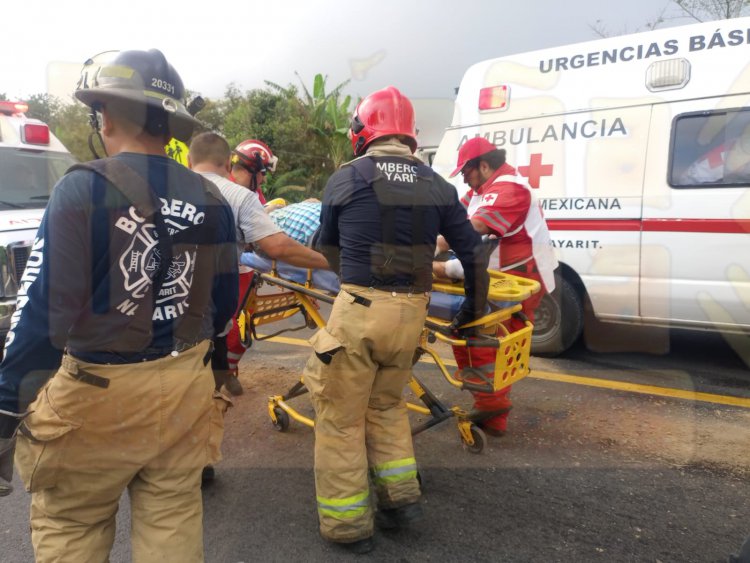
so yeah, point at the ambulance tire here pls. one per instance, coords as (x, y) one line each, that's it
(558, 320)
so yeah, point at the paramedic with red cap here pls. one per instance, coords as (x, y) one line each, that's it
(500, 203)
(380, 218)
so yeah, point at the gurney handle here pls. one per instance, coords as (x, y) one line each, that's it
(469, 339)
(298, 288)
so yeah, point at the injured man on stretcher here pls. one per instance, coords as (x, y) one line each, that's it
(443, 305)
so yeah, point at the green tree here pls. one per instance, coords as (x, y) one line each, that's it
(305, 128)
(326, 117)
(212, 116)
(43, 106)
(279, 121)
(70, 124)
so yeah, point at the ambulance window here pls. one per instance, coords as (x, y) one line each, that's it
(27, 176)
(710, 149)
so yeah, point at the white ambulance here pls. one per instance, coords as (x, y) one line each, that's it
(638, 148)
(31, 162)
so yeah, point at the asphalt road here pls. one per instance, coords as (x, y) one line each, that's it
(586, 473)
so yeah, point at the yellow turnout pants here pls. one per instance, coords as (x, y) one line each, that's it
(356, 375)
(147, 429)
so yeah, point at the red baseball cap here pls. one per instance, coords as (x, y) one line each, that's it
(471, 149)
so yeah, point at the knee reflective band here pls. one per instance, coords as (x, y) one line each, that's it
(394, 471)
(350, 507)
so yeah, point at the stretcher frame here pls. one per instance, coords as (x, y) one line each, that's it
(511, 360)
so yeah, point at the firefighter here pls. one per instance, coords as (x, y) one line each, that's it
(499, 204)
(380, 218)
(106, 375)
(251, 161)
(210, 156)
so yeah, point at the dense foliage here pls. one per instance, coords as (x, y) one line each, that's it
(305, 128)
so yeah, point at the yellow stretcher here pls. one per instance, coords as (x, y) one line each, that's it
(511, 361)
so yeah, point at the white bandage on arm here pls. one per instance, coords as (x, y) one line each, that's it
(454, 269)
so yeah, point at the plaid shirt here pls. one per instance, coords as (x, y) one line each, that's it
(298, 220)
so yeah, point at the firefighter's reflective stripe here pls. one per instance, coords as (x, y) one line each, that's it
(394, 471)
(350, 507)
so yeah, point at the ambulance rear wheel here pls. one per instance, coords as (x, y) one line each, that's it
(558, 320)
(282, 419)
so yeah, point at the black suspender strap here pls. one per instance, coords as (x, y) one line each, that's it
(137, 191)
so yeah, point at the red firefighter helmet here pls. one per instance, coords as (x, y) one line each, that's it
(255, 156)
(382, 113)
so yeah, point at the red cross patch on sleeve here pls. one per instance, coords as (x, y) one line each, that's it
(489, 199)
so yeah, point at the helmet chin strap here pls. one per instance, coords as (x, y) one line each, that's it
(360, 144)
(95, 132)
(254, 175)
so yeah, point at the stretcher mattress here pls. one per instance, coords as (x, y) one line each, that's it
(442, 305)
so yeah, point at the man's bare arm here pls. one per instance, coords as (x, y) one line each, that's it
(281, 247)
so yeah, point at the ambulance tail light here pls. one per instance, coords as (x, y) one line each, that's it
(35, 134)
(671, 74)
(494, 98)
(13, 108)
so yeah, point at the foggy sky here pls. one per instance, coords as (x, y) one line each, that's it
(422, 47)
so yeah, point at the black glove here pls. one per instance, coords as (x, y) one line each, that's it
(8, 425)
(444, 256)
(7, 448)
(464, 316)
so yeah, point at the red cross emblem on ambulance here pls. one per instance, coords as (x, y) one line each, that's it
(535, 170)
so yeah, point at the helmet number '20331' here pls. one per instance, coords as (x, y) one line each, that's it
(162, 85)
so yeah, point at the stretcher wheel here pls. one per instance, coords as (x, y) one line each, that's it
(282, 419)
(310, 322)
(479, 440)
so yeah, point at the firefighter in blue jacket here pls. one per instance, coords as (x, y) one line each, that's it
(380, 219)
(106, 382)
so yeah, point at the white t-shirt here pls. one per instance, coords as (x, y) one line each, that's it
(251, 220)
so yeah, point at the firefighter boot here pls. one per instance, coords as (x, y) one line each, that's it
(397, 518)
(232, 384)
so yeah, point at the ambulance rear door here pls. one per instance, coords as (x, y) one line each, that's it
(695, 260)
